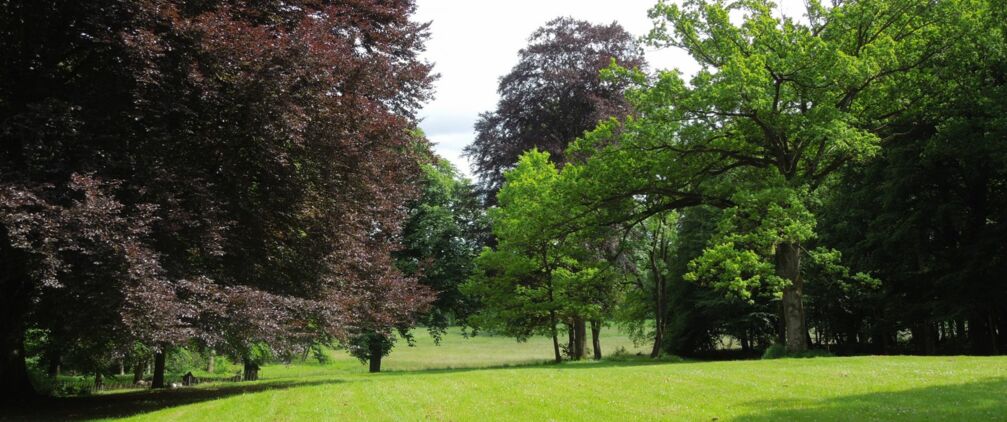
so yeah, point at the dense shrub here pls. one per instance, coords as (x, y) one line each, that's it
(778, 351)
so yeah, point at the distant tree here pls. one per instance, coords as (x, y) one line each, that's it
(553, 95)
(227, 171)
(446, 229)
(653, 244)
(776, 108)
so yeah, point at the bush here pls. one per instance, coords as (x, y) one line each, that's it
(814, 353)
(318, 352)
(70, 389)
(221, 365)
(182, 360)
(775, 351)
(778, 351)
(622, 355)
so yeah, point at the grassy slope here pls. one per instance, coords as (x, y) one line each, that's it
(861, 388)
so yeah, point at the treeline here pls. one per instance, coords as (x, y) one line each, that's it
(226, 178)
(834, 181)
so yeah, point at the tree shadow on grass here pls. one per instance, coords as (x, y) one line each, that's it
(545, 364)
(134, 403)
(984, 400)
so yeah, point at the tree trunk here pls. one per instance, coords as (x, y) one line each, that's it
(980, 335)
(596, 338)
(555, 337)
(122, 368)
(1002, 329)
(211, 364)
(994, 350)
(99, 381)
(580, 338)
(138, 371)
(53, 367)
(571, 340)
(158, 380)
(788, 266)
(658, 316)
(930, 338)
(14, 382)
(375, 354)
(251, 371)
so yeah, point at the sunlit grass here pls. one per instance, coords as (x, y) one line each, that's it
(417, 387)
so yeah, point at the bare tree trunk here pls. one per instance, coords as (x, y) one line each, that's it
(99, 381)
(930, 338)
(251, 371)
(788, 266)
(15, 294)
(122, 368)
(211, 364)
(14, 382)
(658, 315)
(991, 324)
(981, 337)
(571, 340)
(138, 371)
(375, 354)
(54, 360)
(580, 338)
(596, 338)
(555, 337)
(158, 380)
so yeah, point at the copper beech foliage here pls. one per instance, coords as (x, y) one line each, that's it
(553, 95)
(233, 171)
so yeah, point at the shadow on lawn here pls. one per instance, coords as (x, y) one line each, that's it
(546, 364)
(977, 401)
(119, 405)
(134, 403)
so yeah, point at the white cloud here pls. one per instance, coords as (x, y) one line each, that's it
(474, 42)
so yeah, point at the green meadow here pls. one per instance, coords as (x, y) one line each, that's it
(494, 378)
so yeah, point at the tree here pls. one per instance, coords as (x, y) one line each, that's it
(235, 171)
(926, 214)
(553, 95)
(777, 107)
(653, 241)
(539, 275)
(446, 229)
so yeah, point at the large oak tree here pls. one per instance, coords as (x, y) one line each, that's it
(778, 105)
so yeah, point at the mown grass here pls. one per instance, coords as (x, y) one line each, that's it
(419, 386)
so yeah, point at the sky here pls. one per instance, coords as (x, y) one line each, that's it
(475, 42)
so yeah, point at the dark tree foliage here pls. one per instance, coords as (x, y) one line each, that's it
(553, 95)
(692, 319)
(228, 171)
(928, 216)
(446, 229)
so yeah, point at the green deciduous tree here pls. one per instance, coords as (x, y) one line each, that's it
(539, 274)
(776, 108)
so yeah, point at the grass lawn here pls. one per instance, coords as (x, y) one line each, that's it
(469, 379)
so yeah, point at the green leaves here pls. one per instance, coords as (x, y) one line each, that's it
(777, 107)
(540, 270)
(740, 260)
